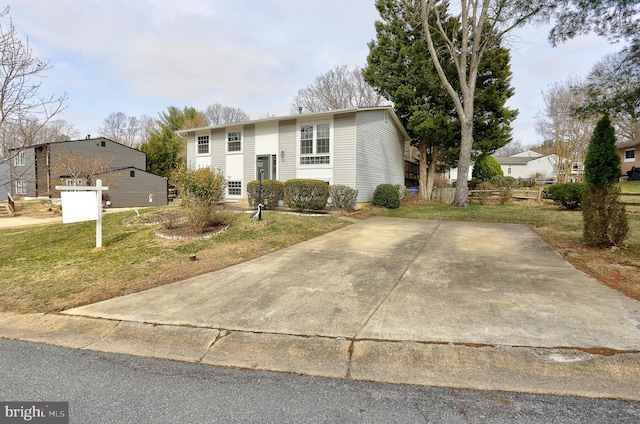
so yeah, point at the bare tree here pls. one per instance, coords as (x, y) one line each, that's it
(339, 88)
(70, 168)
(510, 149)
(612, 86)
(483, 23)
(23, 113)
(121, 128)
(218, 114)
(570, 133)
(148, 125)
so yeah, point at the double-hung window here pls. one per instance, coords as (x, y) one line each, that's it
(19, 159)
(234, 141)
(630, 155)
(21, 187)
(203, 144)
(315, 144)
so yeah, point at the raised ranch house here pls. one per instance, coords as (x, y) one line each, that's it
(37, 169)
(360, 148)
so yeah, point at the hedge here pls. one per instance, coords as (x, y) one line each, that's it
(303, 194)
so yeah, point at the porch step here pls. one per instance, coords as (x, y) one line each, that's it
(5, 210)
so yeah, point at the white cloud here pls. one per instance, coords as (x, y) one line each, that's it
(140, 57)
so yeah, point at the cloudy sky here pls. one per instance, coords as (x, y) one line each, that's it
(141, 56)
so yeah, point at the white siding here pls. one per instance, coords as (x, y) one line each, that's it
(267, 138)
(249, 149)
(344, 157)
(217, 149)
(380, 153)
(287, 137)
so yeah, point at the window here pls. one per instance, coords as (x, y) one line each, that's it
(315, 144)
(235, 188)
(132, 174)
(306, 140)
(203, 144)
(630, 155)
(234, 141)
(509, 170)
(70, 182)
(19, 160)
(21, 187)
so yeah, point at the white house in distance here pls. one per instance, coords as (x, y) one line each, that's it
(527, 164)
(360, 148)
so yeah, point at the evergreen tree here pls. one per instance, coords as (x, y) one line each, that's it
(602, 164)
(605, 219)
(401, 69)
(486, 168)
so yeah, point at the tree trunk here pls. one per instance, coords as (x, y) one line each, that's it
(462, 182)
(431, 172)
(424, 194)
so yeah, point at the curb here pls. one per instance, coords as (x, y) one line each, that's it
(567, 372)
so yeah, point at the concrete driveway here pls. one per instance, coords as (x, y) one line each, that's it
(401, 280)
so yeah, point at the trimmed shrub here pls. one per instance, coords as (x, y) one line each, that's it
(301, 194)
(343, 197)
(605, 219)
(568, 195)
(486, 168)
(387, 195)
(272, 193)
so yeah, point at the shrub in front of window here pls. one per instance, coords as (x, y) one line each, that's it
(568, 195)
(387, 195)
(272, 193)
(343, 197)
(302, 194)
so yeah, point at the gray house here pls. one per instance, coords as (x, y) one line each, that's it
(36, 170)
(5, 179)
(360, 148)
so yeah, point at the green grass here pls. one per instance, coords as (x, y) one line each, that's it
(532, 215)
(54, 267)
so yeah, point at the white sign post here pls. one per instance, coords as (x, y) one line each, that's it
(83, 203)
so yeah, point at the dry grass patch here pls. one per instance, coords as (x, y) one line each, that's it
(55, 267)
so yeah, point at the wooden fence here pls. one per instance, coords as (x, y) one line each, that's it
(446, 195)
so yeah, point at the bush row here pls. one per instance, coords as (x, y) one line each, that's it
(302, 194)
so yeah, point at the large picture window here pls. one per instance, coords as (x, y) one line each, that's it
(315, 144)
(234, 141)
(203, 144)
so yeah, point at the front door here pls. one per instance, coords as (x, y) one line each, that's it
(262, 164)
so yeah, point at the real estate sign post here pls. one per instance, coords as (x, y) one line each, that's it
(83, 203)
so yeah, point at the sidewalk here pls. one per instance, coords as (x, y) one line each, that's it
(394, 300)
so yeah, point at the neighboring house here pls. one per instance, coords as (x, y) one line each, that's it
(36, 170)
(528, 164)
(630, 156)
(360, 148)
(5, 179)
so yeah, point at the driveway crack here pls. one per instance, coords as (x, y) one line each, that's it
(404, 271)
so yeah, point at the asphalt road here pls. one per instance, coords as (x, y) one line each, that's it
(113, 388)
